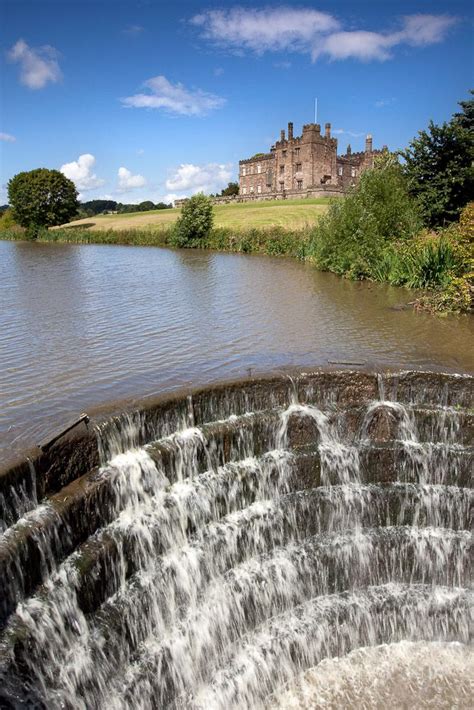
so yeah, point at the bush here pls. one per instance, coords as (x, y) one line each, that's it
(353, 235)
(195, 222)
(7, 220)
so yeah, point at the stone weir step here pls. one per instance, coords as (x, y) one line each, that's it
(72, 455)
(31, 549)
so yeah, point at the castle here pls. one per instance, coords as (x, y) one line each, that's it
(303, 166)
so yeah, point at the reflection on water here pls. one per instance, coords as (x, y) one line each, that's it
(80, 325)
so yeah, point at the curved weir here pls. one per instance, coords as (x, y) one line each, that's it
(259, 544)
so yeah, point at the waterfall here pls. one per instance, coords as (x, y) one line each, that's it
(253, 551)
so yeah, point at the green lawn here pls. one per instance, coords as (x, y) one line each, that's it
(292, 214)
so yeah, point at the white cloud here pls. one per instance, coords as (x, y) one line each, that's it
(38, 66)
(381, 103)
(274, 29)
(133, 30)
(190, 179)
(316, 33)
(80, 172)
(141, 151)
(174, 98)
(282, 65)
(342, 131)
(7, 137)
(127, 181)
(170, 197)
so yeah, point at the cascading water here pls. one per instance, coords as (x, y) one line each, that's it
(270, 550)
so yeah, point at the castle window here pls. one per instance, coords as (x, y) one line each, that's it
(259, 189)
(297, 152)
(259, 168)
(282, 185)
(282, 169)
(340, 170)
(243, 170)
(283, 152)
(299, 184)
(251, 188)
(244, 191)
(353, 172)
(298, 167)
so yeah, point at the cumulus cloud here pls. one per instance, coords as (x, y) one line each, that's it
(7, 137)
(38, 66)
(315, 33)
(80, 172)
(174, 98)
(190, 179)
(273, 29)
(127, 181)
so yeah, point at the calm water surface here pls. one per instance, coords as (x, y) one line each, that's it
(81, 325)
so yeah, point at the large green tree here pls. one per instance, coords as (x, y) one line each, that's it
(42, 198)
(439, 165)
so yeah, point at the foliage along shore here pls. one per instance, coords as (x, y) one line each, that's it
(441, 263)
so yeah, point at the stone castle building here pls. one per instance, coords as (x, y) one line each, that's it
(303, 166)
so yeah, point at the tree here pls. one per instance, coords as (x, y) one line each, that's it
(465, 118)
(439, 167)
(42, 198)
(146, 206)
(231, 189)
(195, 222)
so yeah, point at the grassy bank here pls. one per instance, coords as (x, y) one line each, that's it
(273, 241)
(289, 214)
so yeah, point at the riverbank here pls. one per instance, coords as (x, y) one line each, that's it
(420, 256)
(271, 241)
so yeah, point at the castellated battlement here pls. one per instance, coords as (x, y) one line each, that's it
(297, 166)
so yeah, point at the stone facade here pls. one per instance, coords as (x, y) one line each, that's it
(303, 166)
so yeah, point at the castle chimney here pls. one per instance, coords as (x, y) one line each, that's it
(282, 134)
(290, 131)
(328, 130)
(368, 144)
(349, 149)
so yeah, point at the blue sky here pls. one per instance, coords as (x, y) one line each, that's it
(147, 100)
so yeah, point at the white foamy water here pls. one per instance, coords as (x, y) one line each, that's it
(222, 577)
(425, 676)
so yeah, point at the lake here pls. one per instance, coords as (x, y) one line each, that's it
(81, 325)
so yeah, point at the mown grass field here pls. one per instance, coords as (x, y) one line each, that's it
(291, 214)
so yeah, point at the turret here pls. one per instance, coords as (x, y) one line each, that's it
(368, 144)
(282, 134)
(290, 131)
(349, 149)
(327, 130)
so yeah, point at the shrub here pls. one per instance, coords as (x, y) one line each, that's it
(7, 220)
(195, 222)
(353, 235)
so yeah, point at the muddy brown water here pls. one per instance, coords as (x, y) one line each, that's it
(84, 324)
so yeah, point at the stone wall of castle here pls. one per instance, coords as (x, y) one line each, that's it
(303, 163)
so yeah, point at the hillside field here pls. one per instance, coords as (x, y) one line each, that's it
(292, 214)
